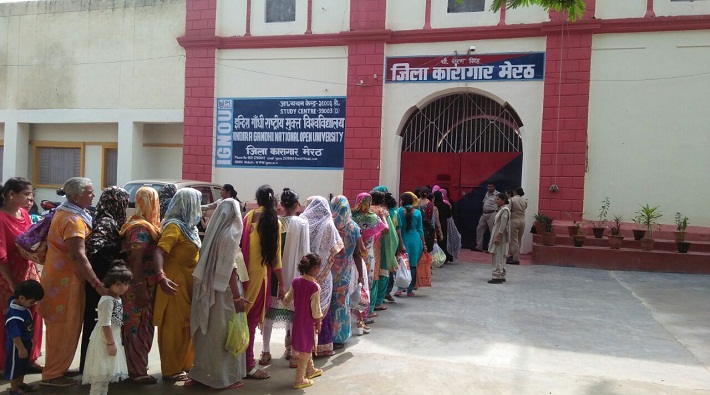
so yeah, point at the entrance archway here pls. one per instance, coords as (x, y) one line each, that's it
(462, 142)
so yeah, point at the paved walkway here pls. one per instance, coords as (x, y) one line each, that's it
(548, 330)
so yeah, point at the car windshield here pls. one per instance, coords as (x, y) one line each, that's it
(132, 188)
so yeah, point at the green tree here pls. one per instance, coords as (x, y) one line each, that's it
(574, 8)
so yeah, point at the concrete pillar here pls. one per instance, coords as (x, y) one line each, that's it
(130, 151)
(16, 150)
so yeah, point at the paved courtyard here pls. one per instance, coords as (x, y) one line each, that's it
(548, 330)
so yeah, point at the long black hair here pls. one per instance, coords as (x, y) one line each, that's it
(407, 202)
(268, 226)
(14, 184)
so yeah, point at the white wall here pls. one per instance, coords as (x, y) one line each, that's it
(524, 97)
(668, 8)
(405, 14)
(441, 19)
(612, 9)
(290, 72)
(648, 124)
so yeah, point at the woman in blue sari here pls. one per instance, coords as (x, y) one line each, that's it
(411, 241)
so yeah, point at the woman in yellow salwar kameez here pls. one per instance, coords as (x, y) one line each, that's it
(174, 260)
(261, 246)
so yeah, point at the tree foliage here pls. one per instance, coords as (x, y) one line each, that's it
(574, 8)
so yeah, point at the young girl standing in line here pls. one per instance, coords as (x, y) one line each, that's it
(105, 357)
(305, 295)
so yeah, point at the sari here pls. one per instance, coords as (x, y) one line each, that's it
(140, 238)
(325, 242)
(171, 314)
(342, 270)
(213, 307)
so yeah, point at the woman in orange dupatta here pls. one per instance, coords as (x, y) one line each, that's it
(140, 237)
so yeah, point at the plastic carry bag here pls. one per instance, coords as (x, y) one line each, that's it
(438, 256)
(238, 335)
(32, 244)
(363, 302)
(404, 275)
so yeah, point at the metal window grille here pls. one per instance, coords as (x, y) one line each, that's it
(56, 165)
(455, 6)
(280, 11)
(111, 167)
(462, 123)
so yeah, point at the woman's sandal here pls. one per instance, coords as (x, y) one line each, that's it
(28, 387)
(315, 373)
(258, 374)
(147, 379)
(234, 386)
(380, 308)
(265, 358)
(303, 384)
(182, 376)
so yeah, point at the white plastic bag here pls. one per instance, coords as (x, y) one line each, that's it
(404, 275)
(438, 256)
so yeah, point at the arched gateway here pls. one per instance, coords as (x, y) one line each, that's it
(462, 142)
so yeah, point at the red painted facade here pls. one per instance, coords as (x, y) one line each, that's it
(565, 106)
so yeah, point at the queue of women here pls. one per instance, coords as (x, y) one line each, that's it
(192, 288)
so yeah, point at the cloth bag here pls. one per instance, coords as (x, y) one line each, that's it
(32, 244)
(363, 302)
(404, 275)
(424, 270)
(238, 335)
(438, 256)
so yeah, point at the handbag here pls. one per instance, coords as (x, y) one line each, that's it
(404, 274)
(238, 335)
(424, 270)
(32, 244)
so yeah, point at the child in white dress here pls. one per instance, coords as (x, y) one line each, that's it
(105, 357)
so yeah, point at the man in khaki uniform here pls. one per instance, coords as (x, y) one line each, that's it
(518, 205)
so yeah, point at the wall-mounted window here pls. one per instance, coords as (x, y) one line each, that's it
(280, 11)
(466, 6)
(56, 162)
(110, 161)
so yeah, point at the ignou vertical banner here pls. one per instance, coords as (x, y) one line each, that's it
(280, 132)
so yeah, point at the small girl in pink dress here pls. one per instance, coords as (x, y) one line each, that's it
(305, 295)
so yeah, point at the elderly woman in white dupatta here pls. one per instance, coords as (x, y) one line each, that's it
(216, 298)
(326, 243)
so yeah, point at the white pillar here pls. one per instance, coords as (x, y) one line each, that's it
(16, 150)
(130, 151)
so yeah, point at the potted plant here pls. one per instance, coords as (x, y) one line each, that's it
(576, 228)
(598, 226)
(548, 235)
(616, 239)
(647, 216)
(681, 223)
(638, 233)
(538, 224)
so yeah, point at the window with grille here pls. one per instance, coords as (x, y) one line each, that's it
(280, 11)
(466, 6)
(57, 164)
(110, 176)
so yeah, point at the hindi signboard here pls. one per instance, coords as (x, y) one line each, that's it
(280, 132)
(528, 66)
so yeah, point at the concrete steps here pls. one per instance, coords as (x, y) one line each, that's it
(596, 253)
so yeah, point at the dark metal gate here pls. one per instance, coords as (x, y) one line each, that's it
(462, 142)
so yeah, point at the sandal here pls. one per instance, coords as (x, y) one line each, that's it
(380, 308)
(398, 294)
(315, 373)
(328, 353)
(191, 383)
(182, 376)
(28, 387)
(265, 358)
(287, 353)
(58, 382)
(373, 315)
(258, 374)
(234, 386)
(35, 368)
(293, 365)
(16, 392)
(303, 384)
(147, 379)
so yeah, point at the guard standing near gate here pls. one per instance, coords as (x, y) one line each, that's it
(488, 217)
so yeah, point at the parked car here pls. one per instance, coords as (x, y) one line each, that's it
(210, 192)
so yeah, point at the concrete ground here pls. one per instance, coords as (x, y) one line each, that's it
(548, 330)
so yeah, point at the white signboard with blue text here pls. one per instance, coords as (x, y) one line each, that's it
(280, 132)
